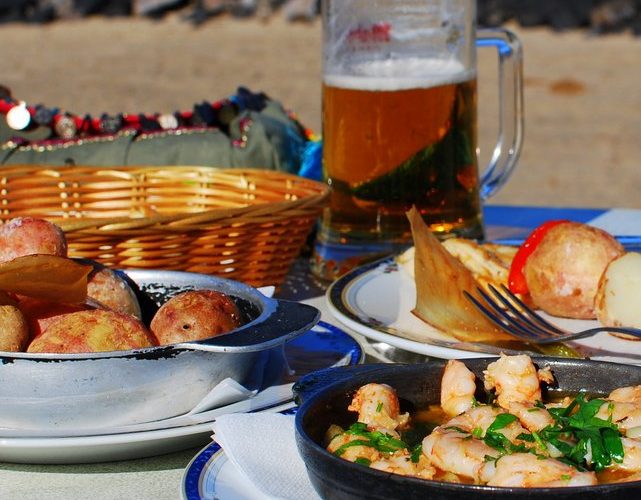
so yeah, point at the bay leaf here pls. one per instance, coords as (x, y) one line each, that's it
(46, 277)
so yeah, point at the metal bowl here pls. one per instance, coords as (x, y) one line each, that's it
(88, 391)
(324, 397)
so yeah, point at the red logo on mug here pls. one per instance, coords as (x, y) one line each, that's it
(378, 32)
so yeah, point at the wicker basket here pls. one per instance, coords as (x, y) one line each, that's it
(244, 224)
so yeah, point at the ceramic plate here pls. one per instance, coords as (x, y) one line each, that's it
(376, 301)
(322, 347)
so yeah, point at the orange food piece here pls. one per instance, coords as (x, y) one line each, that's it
(28, 236)
(194, 315)
(516, 280)
(92, 331)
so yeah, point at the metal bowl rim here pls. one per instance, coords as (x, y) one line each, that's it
(247, 292)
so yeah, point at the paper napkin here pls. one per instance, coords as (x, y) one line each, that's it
(262, 447)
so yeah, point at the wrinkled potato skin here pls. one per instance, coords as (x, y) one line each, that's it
(96, 330)
(14, 331)
(112, 291)
(28, 235)
(40, 313)
(564, 270)
(194, 315)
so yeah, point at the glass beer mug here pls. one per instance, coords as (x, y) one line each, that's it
(400, 124)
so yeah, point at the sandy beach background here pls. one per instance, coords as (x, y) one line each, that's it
(582, 92)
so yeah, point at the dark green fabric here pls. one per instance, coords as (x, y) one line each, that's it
(112, 150)
(271, 140)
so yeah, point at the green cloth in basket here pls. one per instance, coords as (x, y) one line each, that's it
(258, 133)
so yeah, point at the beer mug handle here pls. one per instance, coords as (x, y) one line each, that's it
(510, 130)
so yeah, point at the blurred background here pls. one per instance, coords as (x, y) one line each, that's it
(581, 72)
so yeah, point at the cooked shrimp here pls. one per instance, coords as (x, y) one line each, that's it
(624, 408)
(533, 418)
(452, 448)
(378, 407)
(626, 415)
(525, 470)
(515, 379)
(458, 386)
(631, 455)
(400, 462)
(453, 451)
(478, 419)
(630, 394)
(633, 476)
(562, 403)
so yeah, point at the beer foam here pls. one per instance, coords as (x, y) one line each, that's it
(399, 74)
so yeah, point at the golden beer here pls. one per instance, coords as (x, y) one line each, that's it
(386, 150)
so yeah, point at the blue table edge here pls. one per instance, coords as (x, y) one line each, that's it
(530, 217)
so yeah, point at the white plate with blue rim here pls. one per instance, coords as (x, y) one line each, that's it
(376, 300)
(321, 347)
(210, 475)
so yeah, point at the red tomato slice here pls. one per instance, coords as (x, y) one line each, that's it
(516, 279)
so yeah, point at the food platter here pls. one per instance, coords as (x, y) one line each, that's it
(321, 347)
(376, 301)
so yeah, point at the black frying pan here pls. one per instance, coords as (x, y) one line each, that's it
(324, 396)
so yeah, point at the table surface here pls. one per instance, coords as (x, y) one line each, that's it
(160, 477)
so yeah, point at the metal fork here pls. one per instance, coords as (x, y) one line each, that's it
(509, 312)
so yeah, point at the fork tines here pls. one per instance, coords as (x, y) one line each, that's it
(510, 313)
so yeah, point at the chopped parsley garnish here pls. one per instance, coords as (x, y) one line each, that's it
(525, 437)
(457, 429)
(357, 428)
(500, 442)
(539, 441)
(578, 433)
(416, 453)
(576, 436)
(363, 461)
(379, 407)
(501, 421)
(380, 441)
(496, 439)
(357, 442)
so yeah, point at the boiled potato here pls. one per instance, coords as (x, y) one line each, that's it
(28, 235)
(112, 291)
(14, 331)
(92, 331)
(618, 299)
(564, 270)
(40, 313)
(193, 315)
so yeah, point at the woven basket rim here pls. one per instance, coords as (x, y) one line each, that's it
(273, 210)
